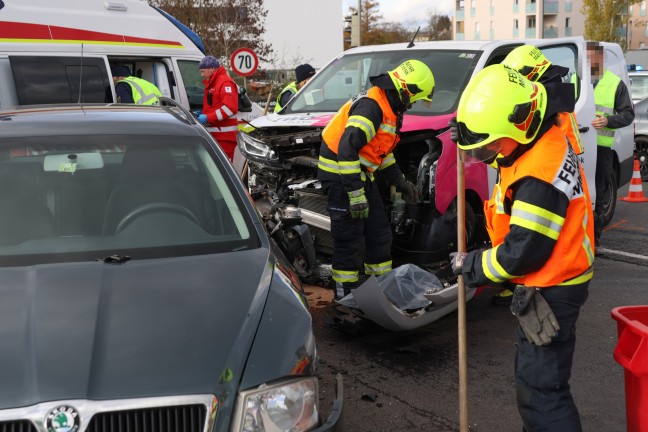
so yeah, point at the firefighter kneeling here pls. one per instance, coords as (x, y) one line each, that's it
(540, 223)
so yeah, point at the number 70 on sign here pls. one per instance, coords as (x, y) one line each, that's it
(244, 62)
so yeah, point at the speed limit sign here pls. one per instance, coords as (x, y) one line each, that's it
(244, 62)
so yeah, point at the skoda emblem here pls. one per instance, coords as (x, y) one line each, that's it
(63, 418)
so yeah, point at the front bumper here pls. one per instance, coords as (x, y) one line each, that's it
(334, 422)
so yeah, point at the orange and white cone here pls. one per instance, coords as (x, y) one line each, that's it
(635, 192)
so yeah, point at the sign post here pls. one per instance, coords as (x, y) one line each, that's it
(244, 62)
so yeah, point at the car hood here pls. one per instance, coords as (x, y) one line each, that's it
(410, 122)
(140, 329)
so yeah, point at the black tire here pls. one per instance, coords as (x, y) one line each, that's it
(610, 198)
(641, 148)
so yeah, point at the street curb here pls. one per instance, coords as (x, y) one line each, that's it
(627, 257)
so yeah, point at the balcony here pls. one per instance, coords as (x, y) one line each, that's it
(492, 35)
(568, 6)
(550, 32)
(516, 33)
(550, 8)
(477, 35)
(473, 12)
(530, 8)
(459, 36)
(568, 31)
(492, 11)
(516, 9)
(530, 33)
(459, 15)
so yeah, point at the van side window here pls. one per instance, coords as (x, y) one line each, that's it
(192, 80)
(47, 80)
(567, 56)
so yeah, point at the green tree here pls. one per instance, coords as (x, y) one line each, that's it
(604, 18)
(223, 25)
(439, 27)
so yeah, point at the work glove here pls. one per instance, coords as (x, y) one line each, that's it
(454, 131)
(410, 193)
(456, 261)
(358, 204)
(197, 113)
(536, 318)
(202, 118)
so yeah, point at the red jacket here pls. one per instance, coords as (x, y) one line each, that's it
(220, 105)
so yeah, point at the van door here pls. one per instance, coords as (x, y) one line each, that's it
(153, 70)
(572, 54)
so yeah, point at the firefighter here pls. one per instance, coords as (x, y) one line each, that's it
(303, 74)
(130, 89)
(540, 223)
(529, 61)
(358, 143)
(220, 104)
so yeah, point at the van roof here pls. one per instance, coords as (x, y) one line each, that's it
(125, 26)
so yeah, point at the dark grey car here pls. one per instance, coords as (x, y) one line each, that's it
(138, 289)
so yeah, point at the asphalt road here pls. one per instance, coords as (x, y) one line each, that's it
(409, 381)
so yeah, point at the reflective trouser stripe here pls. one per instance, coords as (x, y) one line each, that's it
(345, 275)
(378, 269)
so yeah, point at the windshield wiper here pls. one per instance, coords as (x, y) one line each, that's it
(115, 259)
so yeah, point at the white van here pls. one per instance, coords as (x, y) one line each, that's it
(61, 52)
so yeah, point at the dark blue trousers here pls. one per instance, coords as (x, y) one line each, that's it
(542, 373)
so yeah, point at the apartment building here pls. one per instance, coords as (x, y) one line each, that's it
(637, 30)
(517, 19)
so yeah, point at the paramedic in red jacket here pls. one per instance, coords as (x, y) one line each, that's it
(220, 104)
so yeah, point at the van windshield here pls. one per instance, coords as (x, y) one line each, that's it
(349, 75)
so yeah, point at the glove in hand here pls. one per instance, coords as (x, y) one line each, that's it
(536, 318)
(454, 131)
(197, 113)
(202, 118)
(456, 261)
(410, 192)
(358, 204)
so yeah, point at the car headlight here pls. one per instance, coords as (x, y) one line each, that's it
(252, 147)
(290, 406)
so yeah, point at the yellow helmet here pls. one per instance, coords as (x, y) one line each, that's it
(415, 79)
(529, 61)
(497, 103)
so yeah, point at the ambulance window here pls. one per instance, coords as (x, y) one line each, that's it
(192, 80)
(50, 80)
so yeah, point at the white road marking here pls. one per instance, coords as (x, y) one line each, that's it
(624, 254)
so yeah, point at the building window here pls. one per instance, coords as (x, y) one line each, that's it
(531, 22)
(567, 22)
(516, 2)
(515, 24)
(472, 4)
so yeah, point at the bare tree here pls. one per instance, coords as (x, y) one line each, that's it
(223, 25)
(439, 27)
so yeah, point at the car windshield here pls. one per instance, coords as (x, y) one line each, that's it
(80, 198)
(349, 75)
(639, 87)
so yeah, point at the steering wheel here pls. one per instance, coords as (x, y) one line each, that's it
(156, 207)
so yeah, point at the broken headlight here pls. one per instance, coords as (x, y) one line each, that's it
(286, 406)
(254, 149)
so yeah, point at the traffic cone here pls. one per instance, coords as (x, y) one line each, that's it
(635, 192)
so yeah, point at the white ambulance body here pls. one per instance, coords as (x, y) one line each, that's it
(44, 46)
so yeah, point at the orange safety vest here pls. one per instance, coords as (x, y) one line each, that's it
(372, 154)
(569, 126)
(553, 161)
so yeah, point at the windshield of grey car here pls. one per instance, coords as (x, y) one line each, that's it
(79, 198)
(349, 75)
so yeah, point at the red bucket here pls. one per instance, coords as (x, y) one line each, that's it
(631, 352)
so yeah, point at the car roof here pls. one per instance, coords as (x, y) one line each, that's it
(92, 119)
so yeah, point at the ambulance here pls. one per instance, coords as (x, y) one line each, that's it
(61, 52)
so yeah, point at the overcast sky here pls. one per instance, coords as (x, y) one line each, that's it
(406, 11)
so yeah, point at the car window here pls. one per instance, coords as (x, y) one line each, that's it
(566, 56)
(639, 87)
(349, 75)
(193, 82)
(71, 198)
(50, 80)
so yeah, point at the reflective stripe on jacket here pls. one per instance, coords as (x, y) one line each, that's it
(144, 93)
(569, 126)
(377, 153)
(220, 104)
(604, 96)
(292, 88)
(553, 161)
